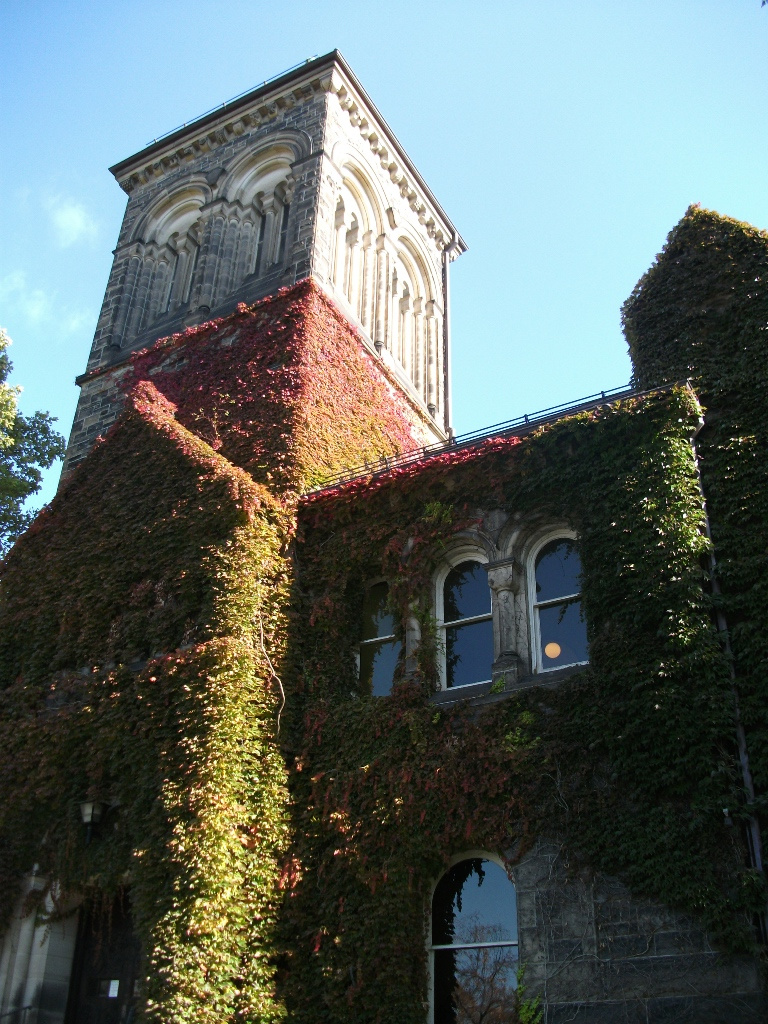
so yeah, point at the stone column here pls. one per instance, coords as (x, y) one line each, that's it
(412, 641)
(156, 304)
(418, 346)
(269, 245)
(404, 333)
(382, 294)
(506, 581)
(352, 283)
(245, 248)
(339, 248)
(209, 252)
(367, 297)
(222, 286)
(431, 347)
(140, 298)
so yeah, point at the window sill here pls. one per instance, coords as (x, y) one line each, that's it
(480, 693)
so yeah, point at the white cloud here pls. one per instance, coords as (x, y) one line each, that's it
(30, 303)
(74, 323)
(71, 221)
(36, 307)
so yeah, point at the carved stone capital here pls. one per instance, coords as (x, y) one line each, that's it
(505, 576)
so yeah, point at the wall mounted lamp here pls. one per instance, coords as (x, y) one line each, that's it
(91, 813)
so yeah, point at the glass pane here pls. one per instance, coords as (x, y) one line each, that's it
(377, 619)
(563, 635)
(474, 902)
(476, 986)
(109, 987)
(558, 570)
(377, 665)
(468, 653)
(466, 592)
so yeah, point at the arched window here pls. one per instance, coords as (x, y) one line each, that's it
(474, 945)
(379, 650)
(561, 633)
(467, 625)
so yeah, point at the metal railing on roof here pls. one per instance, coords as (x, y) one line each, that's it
(521, 424)
(233, 99)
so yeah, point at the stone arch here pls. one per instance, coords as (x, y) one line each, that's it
(416, 322)
(358, 225)
(246, 230)
(260, 169)
(160, 260)
(172, 213)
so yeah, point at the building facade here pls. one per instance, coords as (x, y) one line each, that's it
(312, 710)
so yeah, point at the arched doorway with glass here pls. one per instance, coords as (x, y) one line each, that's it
(474, 945)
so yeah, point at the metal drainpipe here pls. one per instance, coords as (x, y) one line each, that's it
(754, 838)
(453, 244)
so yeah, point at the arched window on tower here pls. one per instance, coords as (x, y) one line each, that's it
(379, 650)
(559, 628)
(474, 945)
(467, 625)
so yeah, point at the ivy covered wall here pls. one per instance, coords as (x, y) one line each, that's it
(178, 633)
(284, 389)
(701, 311)
(630, 762)
(142, 629)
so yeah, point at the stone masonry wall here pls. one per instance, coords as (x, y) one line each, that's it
(598, 956)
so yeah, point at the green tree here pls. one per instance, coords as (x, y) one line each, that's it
(28, 445)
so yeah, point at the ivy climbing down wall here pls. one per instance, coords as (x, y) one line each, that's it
(133, 673)
(701, 312)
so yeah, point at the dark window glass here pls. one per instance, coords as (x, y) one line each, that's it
(377, 665)
(378, 621)
(466, 592)
(563, 635)
(379, 651)
(558, 571)
(474, 943)
(468, 653)
(562, 630)
(105, 972)
(468, 625)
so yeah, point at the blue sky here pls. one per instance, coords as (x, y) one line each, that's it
(564, 140)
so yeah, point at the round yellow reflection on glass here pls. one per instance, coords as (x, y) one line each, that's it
(552, 650)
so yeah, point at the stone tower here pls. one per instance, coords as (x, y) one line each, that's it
(298, 178)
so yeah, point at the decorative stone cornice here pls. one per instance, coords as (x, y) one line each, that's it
(232, 125)
(329, 74)
(383, 146)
